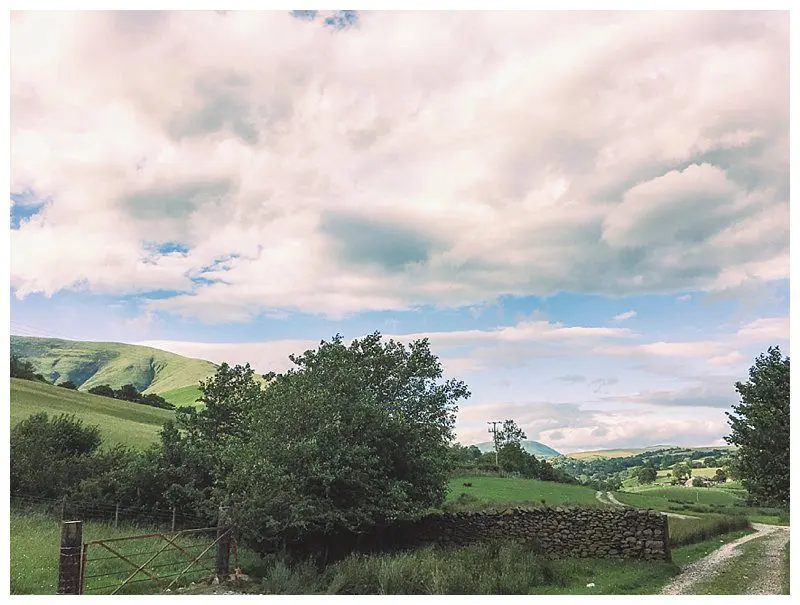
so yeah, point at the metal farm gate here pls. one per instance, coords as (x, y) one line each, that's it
(140, 563)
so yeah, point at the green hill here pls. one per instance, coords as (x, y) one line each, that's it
(120, 422)
(90, 364)
(634, 451)
(540, 450)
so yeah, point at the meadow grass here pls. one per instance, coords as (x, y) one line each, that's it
(183, 396)
(513, 490)
(121, 422)
(35, 540)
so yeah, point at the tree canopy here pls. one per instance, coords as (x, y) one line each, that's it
(760, 427)
(350, 435)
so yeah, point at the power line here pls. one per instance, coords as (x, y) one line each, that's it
(493, 431)
(34, 331)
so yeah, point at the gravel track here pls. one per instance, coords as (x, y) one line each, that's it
(767, 574)
(608, 498)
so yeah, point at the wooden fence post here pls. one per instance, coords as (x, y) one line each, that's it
(222, 567)
(69, 563)
(116, 516)
(173, 518)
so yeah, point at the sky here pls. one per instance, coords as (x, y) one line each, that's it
(587, 214)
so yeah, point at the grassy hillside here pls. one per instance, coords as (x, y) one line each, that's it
(540, 450)
(183, 396)
(620, 453)
(120, 422)
(634, 451)
(508, 489)
(90, 364)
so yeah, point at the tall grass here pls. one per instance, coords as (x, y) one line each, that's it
(489, 568)
(690, 531)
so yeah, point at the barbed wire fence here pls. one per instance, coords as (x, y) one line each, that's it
(65, 509)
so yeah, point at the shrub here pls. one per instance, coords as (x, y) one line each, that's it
(103, 390)
(48, 455)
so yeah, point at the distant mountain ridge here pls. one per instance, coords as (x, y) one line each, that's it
(635, 451)
(540, 450)
(90, 364)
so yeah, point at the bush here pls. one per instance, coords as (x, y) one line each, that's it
(68, 384)
(49, 455)
(103, 390)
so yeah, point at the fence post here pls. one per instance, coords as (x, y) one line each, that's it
(173, 518)
(223, 545)
(116, 516)
(69, 562)
(63, 508)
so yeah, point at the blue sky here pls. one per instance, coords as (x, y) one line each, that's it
(598, 248)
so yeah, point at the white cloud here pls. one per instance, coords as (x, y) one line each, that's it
(571, 427)
(766, 330)
(263, 357)
(664, 349)
(734, 358)
(384, 166)
(625, 315)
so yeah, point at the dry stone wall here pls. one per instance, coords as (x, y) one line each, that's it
(559, 532)
(555, 532)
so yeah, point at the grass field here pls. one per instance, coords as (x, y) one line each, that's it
(621, 453)
(708, 471)
(90, 364)
(120, 422)
(507, 490)
(184, 396)
(658, 494)
(701, 501)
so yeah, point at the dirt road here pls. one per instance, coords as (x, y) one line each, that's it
(766, 576)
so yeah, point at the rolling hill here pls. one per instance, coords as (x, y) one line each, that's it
(633, 451)
(90, 364)
(120, 422)
(540, 450)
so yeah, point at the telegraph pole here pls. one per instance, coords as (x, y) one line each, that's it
(493, 431)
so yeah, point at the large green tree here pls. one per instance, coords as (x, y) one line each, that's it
(350, 435)
(760, 427)
(646, 474)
